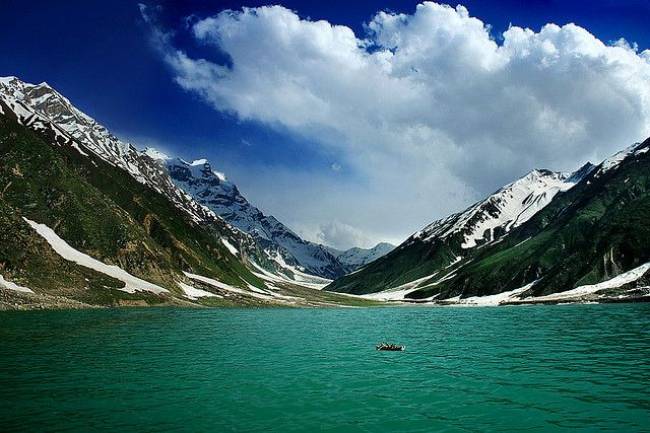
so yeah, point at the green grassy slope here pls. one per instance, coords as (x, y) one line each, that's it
(100, 210)
(402, 265)
(591, 233)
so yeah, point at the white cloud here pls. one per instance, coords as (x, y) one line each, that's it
(427, 108)
(339, 235)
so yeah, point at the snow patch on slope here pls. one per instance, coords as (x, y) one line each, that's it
(230, 247)
(613, 283)
(399, 293)
(615, 160)
(62, 248)
(223, 286)
(507, 208)
(297, 274)
(494, 300)
(155, 154)
(6, 284)
(194, 293)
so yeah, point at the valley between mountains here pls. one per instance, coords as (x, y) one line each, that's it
(87, 220)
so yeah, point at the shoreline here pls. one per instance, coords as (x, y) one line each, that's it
(18, 301)
(524, 302)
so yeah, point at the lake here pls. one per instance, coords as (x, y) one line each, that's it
(571, 368)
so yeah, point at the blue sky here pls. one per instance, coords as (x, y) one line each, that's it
(322, 175)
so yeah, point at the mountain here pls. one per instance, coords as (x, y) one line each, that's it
(509, 207)
(213, 190)
(356, 258)
(544, 234)
(43, 109)
(195, 187)
(75, 226)
(88, 219)
(592, 233)
(448, 241)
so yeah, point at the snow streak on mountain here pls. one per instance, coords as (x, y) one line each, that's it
(195, 187)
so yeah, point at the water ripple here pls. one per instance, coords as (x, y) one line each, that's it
(533, 369)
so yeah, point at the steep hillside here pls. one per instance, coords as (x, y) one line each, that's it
(100, 212)
(198, 190)
(589, 240)
(211, 189)
(592, 233)
(451, 240)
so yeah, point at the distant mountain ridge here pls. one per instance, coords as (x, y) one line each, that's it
(356, 258)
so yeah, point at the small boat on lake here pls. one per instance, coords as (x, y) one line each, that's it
(390, 347)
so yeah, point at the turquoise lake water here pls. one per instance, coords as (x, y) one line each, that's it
(574, 368)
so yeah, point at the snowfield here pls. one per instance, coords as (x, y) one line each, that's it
(230, 247)
(507, 208)
(615, 160)
(493, 300)
(223, 286)
(62, 248)
(399, 292)
(254, 292)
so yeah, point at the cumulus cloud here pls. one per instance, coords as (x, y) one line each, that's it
(340, 235)
(428, 109)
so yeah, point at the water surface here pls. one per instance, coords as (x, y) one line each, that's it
(574, 368)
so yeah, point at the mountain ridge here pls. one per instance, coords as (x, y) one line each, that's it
(176, 231)
(447, 241)
(42, 108)
(212, 189)
(356, 258)
(546, 251)
(592, 233)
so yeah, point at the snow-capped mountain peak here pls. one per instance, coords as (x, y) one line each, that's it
(212, 189)
(204, 166)
(356, 258)
(155, 154)
(509, 207)
(220, 175)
